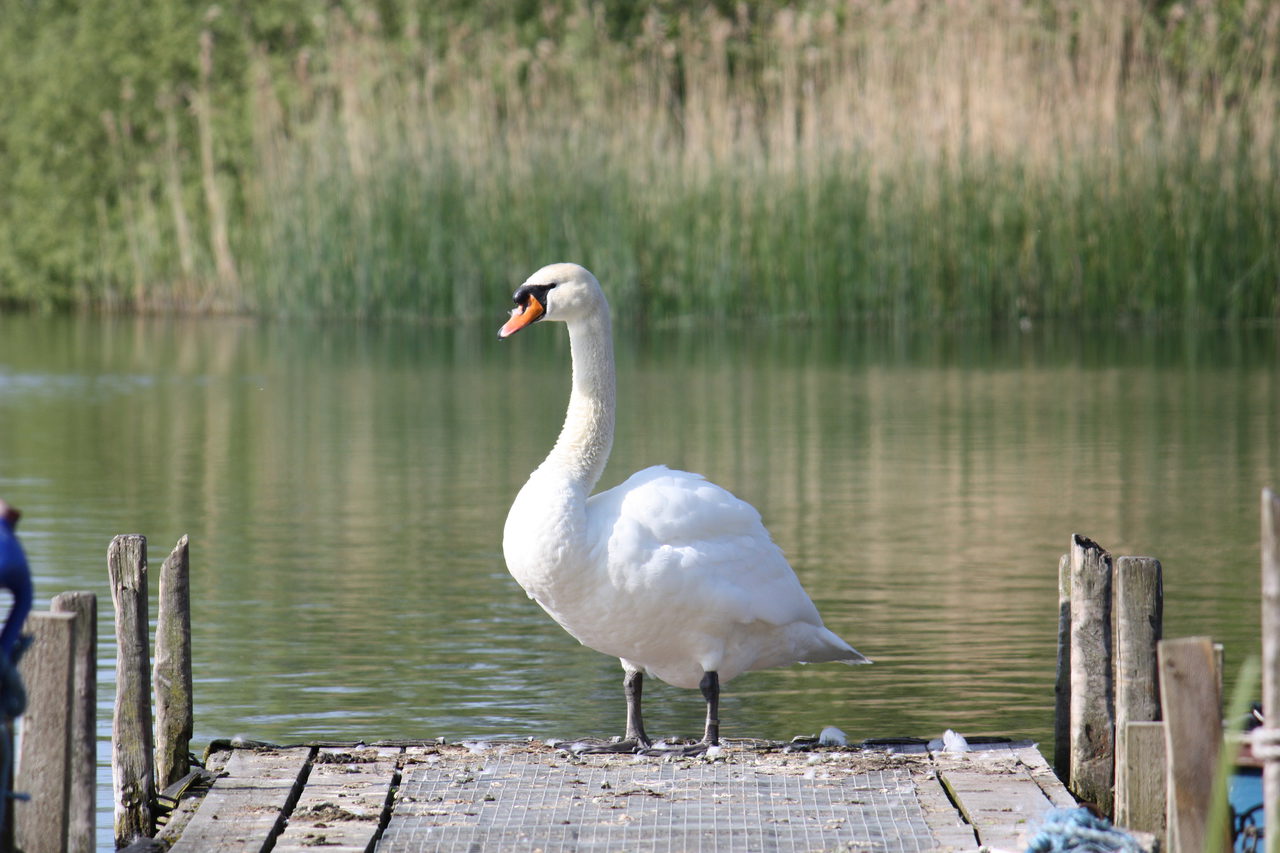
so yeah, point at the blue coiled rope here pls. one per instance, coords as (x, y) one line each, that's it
(1081, 831)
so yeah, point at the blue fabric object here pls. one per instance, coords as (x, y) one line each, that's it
(15, 576)
(1081, 831)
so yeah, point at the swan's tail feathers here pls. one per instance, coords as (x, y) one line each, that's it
(856, 657)
(847, 655)
(823, 646)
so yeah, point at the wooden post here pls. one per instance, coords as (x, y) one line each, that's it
(1271, 660)
(174, 712)
(1142, 777)
(132, 778)
(82, 805)
(44, 764)
(1062, 676)
(1192, 709)
(1139, 610)
(1092, 721)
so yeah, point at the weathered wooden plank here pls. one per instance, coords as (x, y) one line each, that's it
(950, 832)
(81, 805)
(190, 801)
(244, 810)
(1062, 676)
(1139, 615)
(44, 763)
(132, 778)
(174, 710)
(1271, 657)
(1192, 710)
(1142, 777)
(1043, 775)
(1092, 720)
(341, 806)
(997, 794)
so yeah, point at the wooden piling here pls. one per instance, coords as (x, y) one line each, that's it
(1192, 707)
(82, 805)
(174, 710)
(1062, 675)
(1139, 602)
(132, 777)
(1139, 613)
(44, 763)
(1271, 662)
(1092, 722)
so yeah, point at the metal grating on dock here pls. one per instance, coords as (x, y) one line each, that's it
(511, 804)
(749, 796)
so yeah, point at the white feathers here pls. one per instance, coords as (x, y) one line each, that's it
(832, 736)
(954, 742)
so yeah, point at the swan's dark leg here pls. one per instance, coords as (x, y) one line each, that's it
(635, 739)
(710, 686)
(633, 687)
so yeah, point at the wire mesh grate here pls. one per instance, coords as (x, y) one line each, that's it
(554, 803)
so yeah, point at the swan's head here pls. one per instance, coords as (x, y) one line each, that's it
(564, 292)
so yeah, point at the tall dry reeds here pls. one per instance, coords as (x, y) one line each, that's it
(984, 160)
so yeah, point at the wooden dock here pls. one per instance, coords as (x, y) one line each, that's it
(749, 795)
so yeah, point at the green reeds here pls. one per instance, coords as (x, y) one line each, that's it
(970, 162)
(974, 163)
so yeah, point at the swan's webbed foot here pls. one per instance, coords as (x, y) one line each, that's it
(626, 746)
(694, 750)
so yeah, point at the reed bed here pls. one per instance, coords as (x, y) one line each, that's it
(975, 162)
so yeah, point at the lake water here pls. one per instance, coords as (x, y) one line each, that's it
(345, 487)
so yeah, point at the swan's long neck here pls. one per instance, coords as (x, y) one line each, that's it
(581, 451)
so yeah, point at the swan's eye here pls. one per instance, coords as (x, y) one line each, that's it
(532, 291)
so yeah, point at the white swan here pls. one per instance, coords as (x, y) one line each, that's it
(667, 572)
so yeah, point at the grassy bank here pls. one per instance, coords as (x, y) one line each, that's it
(919, 162)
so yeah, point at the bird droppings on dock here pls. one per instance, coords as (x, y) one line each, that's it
(751, 795)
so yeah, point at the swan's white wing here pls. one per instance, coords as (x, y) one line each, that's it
(672, 539)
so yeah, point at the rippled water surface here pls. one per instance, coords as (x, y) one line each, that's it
(344, 488)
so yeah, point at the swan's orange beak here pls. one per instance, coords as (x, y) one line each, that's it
(521, 316)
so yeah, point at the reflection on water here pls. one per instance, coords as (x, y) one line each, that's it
(345, 487)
